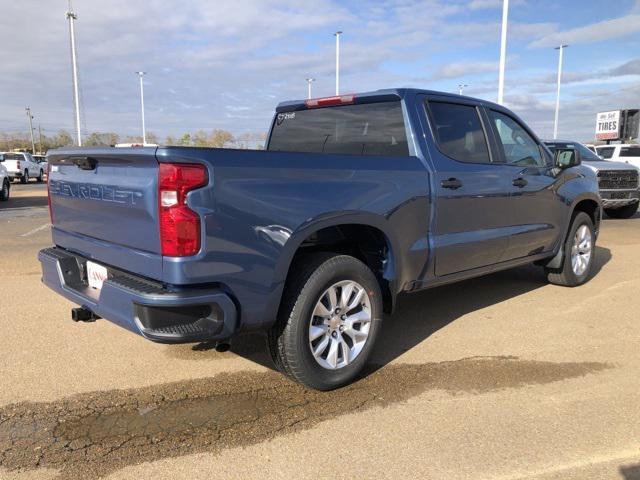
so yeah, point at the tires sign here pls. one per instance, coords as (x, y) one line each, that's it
(608, 125)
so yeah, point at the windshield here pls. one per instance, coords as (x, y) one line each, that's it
(606, 152)
(366, 129)
(585, 153)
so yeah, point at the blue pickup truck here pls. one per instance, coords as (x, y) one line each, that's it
(356, 199)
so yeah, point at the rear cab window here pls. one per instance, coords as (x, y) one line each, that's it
(361, 129)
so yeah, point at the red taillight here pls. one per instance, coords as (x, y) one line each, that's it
(179, 225)
(329, 101)
(49, 192)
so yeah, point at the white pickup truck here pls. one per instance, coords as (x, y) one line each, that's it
(23, 166)
(5, 184)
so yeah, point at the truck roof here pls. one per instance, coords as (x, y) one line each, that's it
(383, 95)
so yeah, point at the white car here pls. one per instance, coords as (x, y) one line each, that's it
(5, 183)
(22, 165)
(627, 153)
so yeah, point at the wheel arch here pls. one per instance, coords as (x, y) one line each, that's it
(587, 203)
(365, 237)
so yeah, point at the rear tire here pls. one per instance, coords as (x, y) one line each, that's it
(627, 211)
(327, 298)
(40, 178)
(579, 252)
(25, 177)
(6, 189)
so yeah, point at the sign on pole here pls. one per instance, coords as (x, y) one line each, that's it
(608, 125)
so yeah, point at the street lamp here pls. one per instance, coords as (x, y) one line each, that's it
(30, 117)
(461, 88)
(503, 50)
(309, 81)
(555, 121)
(144, 132)
(337, 35)
(72, 17)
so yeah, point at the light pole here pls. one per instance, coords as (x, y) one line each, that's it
(337, 34)
(71, 16)
(309, 81)
(40, 139)
(555, 121)
(461, 88)
(503, 50)
(30, 117)
(144, 132)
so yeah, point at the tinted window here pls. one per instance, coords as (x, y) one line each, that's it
(606, 152)
(519, 147)
(630, 151)
(459, 132)
(367, 129)
(13, 156)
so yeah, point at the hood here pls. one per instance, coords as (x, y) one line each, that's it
(597, 166)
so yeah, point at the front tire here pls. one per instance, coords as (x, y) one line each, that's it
(40, 178)
(25, 177)
(329, 318)
(627, 211)
(579, 252)
(6, 189)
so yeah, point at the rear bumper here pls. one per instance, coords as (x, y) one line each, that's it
(158, 313)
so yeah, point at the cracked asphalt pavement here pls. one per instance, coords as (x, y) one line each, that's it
(500, 377)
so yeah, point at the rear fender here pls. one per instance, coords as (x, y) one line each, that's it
(334, 219)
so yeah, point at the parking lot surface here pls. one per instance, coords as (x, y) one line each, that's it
(501, 377)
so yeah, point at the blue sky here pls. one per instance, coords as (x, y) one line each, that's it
(226, 64)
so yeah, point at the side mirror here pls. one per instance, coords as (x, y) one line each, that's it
(567, 158)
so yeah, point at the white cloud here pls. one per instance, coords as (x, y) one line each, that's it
(486, 4)
(461, 69)
(596, 32)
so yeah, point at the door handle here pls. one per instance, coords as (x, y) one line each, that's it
(520, 182)
(451, 183)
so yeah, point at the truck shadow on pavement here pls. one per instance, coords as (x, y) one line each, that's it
(417, 316)
(630, 472)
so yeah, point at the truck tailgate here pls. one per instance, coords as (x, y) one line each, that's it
(108, 194)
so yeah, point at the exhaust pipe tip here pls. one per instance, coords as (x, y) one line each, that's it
(81, 314)
(223, 346)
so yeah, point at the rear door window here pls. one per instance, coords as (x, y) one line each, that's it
(459, 133)
(366, 129)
